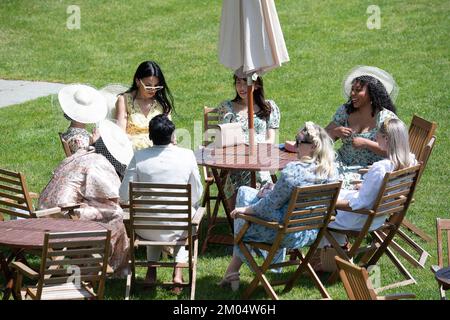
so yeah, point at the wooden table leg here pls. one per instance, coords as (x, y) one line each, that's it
(220, 178)
(8, 274)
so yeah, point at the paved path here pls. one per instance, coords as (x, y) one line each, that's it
(18, 91)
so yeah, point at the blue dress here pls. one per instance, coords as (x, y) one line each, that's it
(274, 205)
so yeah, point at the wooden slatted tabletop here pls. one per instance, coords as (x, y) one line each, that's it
(29, 233)
(267, 157)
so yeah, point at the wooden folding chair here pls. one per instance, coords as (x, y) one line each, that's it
(163, 207)
(423, 254)
(421, 133)
(210, 121)
(392, 202)
(73, 266)
(65, 145)
(16, 200)
(442, 226)
(358, 286)
(310, 208)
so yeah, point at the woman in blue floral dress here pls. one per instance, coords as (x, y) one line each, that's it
(357, 121)
(315, 166)
(266, 122)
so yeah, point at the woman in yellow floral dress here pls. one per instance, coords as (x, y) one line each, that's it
(147, 97)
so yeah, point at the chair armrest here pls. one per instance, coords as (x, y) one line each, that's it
(69, 208)
(124, 205)
(253, 219)
(435, 268)
(49, 213)
(25, 270)
(397, 296)
(363, 171)
(198, 216)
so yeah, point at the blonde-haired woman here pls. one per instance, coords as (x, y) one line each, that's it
(315, 166)
(393, 138)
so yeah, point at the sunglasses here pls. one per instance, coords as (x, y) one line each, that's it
(298, 142)
(151, 88)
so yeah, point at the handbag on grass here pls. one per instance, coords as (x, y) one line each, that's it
(229, 134)
(328, 264)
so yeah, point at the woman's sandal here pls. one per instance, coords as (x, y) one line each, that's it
(230, 279)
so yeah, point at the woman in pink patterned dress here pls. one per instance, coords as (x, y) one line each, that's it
(89, 179)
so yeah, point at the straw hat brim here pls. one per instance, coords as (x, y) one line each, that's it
(384, 77)
(116, 141)
(82, 103)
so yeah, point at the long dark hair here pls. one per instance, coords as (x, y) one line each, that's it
(378, 95)
(163, 96)
(258, 98)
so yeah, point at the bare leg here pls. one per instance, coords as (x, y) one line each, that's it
(234, 266)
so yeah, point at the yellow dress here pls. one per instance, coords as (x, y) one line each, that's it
(137, 123)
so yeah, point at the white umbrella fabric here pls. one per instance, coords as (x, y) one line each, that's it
(251, 40)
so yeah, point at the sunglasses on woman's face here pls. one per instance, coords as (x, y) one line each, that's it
(298, 142)
(151, 88)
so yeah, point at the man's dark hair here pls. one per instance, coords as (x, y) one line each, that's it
(160, 130)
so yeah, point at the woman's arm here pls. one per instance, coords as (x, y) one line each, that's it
(241, 210)
(337, 132)
(121, 113)
(342, 204)
(270, 136)
(359, 142)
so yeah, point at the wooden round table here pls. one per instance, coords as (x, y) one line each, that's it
(28, 234)
(221, 161)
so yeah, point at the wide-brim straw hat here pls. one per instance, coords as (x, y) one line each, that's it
(111, 92)
(384, 77)
(116, 141)
(82, 103)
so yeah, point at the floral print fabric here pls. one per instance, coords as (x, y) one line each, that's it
(227, 115)
(89, 179)
(273, 207)
(77, 138)
(349, 159)
(137, 123)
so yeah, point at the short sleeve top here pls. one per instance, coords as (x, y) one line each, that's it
(347, 154)
(227, 115)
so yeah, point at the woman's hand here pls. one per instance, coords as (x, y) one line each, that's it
(242, 210)
(95, 135)
(268, 187)
(342, 132)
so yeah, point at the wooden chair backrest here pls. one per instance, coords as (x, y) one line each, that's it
(153, 203)
(420, 133)
(396, 193)
(355, 280)
(15, 199)
(311, 207)
(210, 122)
(65, 145)
(74, 256)
(442, 226)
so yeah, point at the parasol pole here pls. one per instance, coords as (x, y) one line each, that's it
(251, 128)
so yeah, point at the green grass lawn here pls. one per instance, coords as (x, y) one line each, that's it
(325, 39)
